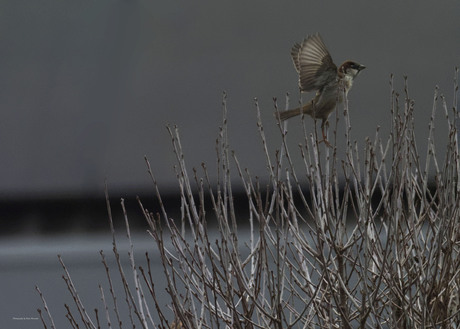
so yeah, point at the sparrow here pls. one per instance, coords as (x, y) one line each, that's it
(318, 72)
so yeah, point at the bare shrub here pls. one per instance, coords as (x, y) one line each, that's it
(368, 240)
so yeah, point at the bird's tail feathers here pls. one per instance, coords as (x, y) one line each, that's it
(306, 109)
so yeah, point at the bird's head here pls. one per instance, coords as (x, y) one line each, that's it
(350, 69)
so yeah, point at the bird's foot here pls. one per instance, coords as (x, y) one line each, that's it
(326, 142)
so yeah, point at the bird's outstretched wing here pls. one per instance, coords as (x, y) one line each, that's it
(313, 63)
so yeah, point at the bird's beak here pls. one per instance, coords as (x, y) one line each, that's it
(361, 67)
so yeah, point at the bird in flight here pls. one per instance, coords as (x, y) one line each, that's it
(317, 72)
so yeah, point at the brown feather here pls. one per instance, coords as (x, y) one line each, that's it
(306, 109)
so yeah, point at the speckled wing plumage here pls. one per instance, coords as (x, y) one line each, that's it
(313, 63)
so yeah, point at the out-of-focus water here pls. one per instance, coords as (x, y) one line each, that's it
(31, 261)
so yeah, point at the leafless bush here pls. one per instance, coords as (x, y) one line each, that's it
(367, 240)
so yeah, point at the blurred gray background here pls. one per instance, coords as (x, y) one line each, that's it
(87, 88)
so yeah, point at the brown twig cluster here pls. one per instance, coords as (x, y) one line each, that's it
(367, 240)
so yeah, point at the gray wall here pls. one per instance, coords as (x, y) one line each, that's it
(87, 87)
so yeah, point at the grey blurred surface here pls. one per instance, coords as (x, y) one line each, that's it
(32, 261)
(87, 87)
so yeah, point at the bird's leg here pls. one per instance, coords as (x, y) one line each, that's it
(324, 123)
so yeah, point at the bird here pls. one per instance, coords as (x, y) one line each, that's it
(317, 71)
